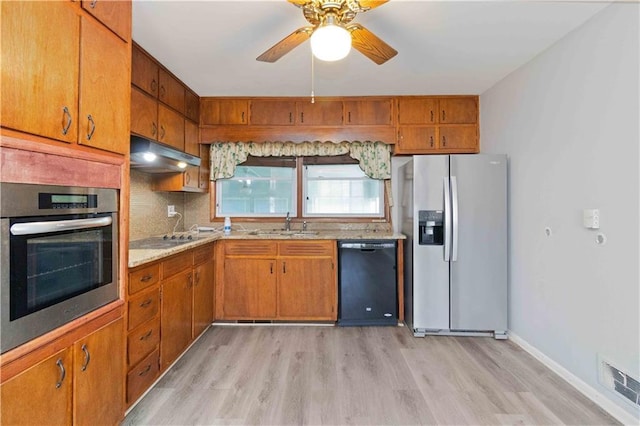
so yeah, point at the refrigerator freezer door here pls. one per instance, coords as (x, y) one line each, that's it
(430, 270)
(479, 272)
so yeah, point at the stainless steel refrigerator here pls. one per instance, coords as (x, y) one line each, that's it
(453, 210)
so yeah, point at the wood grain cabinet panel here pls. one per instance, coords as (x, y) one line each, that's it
(99, 376)
(319, 113)
(215, 111)
(144, 114)
(144, 71)
(40, 68)
(142, 375)
(192, 106)
(249, 288)
(114, 14)
(143, 307)
(171, 91)
(34, 396)
(273, 112)
(417, 111)
(104, 93)
(307, 289)
(203, 296)
(462, 110)
(417, 140)
(205, 170)
(143, 278)
(191, 138)
(142, 341)
(170, 127)
(175, 316)
(368, 112)
(462, 138)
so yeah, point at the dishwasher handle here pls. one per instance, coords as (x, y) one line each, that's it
(367, 246)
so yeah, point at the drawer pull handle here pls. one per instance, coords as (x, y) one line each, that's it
(242, 115)
(67, 114)
(444, 116)
(93, 127)
(146, 303)
(162, 132)
(87, 357)
(432, 116)
(145, 371)
(284, 267)
(444, 141)
(154, 129)
(431, 141)
(162, 91)
(154, 85)
(93, 4)
(146, 278)
(63, 373)
(146, 336)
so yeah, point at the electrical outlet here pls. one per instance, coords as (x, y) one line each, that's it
(171, 211)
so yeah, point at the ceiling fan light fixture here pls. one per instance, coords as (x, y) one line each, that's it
(330, 42)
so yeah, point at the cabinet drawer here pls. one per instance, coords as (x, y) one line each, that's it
(142, 376)
(143, 307)
(142, 341)
(306, 248)
(202, 254)
(143, 278)
(250, 248)
(177, 264)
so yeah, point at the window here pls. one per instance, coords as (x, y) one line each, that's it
(257, 191)
(341, 190)
(332, 187)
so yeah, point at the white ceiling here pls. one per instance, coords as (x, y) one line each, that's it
(445, 47)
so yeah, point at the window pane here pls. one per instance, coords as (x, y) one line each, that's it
(342, 190)
(257, 191)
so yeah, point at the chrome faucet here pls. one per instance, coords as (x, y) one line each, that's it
(304, 225)
(287, 223)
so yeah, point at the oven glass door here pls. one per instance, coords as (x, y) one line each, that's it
(56, 258)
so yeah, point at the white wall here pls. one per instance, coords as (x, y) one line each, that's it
(569, 122)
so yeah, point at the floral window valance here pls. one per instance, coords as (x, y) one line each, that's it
(374, 157)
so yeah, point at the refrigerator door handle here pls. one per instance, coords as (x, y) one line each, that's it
(454, 215)
(447, 219)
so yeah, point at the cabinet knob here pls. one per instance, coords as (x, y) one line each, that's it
(92, 5)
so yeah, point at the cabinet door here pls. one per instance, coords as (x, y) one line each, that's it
(461, 138)
(144, 114)
(417, 111)
(191, 138)
(104, 89)
(40, 68)
(116, 15)
(249, 290)
(205, 176)
(171, 91)
(144, 71)
(224, 111)
(40, 395)
(417, 140)
(203, 297)
(191, 176)
(99, 376)
(307, 289)
(175, 317)
(458, 110)
(192, 106)
(319, 113)
(368, 112)
(272, 113)
(170, 127)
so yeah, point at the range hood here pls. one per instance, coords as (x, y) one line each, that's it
(152, 157)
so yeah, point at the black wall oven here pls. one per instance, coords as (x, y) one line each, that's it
(59, 257)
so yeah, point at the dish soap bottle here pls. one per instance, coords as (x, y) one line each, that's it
(227, 225)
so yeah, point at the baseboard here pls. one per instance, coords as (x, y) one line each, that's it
(587, 390)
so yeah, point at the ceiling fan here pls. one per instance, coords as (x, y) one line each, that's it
(333, 18)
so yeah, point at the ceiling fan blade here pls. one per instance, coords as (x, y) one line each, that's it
(369, 4)
(286, 45)
(298, 2)
(371, 46)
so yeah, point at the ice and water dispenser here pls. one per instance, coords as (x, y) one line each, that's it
(431, 227)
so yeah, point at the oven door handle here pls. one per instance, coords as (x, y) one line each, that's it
(29, 228)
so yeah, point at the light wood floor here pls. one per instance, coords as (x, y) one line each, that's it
(293, 375)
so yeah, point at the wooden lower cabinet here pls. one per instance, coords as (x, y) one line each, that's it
(81, 385)
(278, 281)
(175, 317)
(203, 295)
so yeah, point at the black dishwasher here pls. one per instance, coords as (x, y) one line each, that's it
(367, 284)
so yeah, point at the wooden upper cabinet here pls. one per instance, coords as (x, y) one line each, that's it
(319, 113)
(99, 376)
(192, 106)
(368, 112)
(104, 94)
(144, 114)
(115, 15)
(40, 68)
(171, 91)
(272, 112)
(417, 111)
(417, 140)
(205, 176)
(462, 110)
(191, 138)
(144, 71)
(170, 127)
(459, 138)
(224, 111)
(34, 396)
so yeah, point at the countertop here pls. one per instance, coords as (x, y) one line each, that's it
(139, 257)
